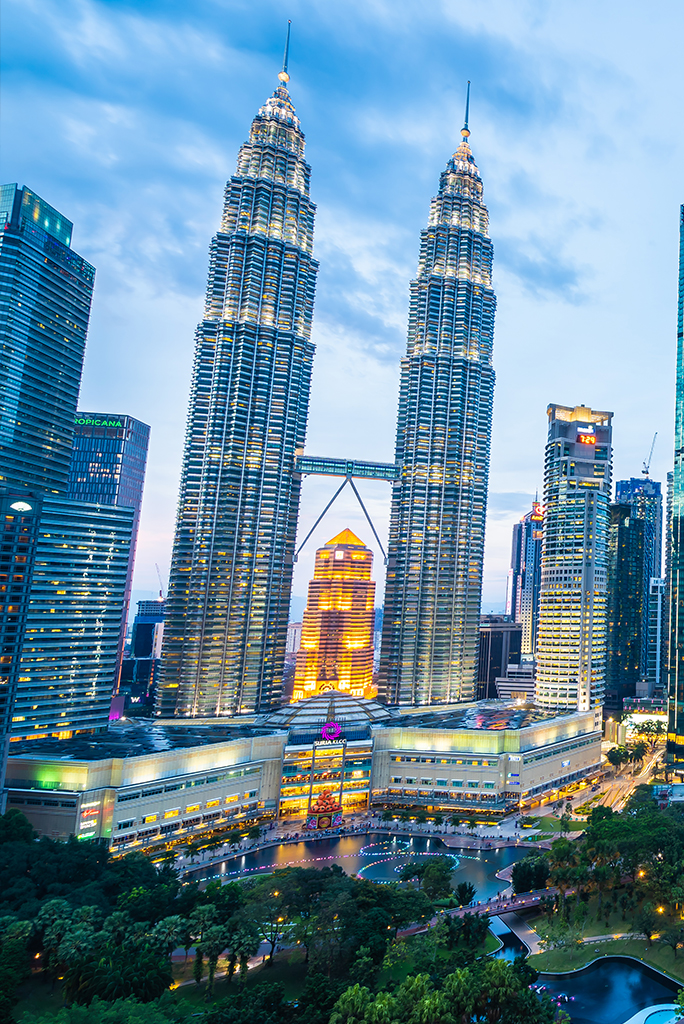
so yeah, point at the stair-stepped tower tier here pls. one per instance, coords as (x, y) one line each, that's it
(437, 525)
(231, 572)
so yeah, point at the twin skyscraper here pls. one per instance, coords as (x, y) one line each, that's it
(231, 573)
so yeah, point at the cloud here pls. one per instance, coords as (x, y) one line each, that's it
(128, 117)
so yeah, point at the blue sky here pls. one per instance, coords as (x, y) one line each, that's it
(128, 117)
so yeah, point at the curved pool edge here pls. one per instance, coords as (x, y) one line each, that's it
(613, 956)
(643, 1016)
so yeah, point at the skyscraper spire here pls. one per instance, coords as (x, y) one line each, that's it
(437, 524)
(465, 130)
(231, 570)
(284, 76)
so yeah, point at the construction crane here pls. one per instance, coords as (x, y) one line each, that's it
(161, 585)
(647, 463)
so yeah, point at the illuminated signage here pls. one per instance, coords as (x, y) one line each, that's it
(586, 438)
(21, 506)
(331, 731)
(90, 421)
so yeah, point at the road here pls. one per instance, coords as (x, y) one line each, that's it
(616, 792)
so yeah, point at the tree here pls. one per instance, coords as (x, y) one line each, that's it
(412, 870)
(15, 828)
(439, 820)
(254, 832)
(266, 908)
(421, 817)
(673, 938)
(647, 922)
(242, 942)
(530, 873)
(437, 877)
(465, 893)
(564, 822)
(386, 815)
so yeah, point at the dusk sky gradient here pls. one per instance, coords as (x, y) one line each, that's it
(128, 118)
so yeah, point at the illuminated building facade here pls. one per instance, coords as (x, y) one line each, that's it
(571, 648)
(336, 650)
(147, 787)
(73, 620)
(231, 570)
(437, 523)
(108, 463)
(675, 728)
(524, 577)
(45, 294)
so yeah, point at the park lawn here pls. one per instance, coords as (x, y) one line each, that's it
(597, 925)
(550, 823)
(658, 956)
(288, 968)
(36, 997)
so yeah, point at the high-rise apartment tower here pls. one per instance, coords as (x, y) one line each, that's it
(571, 648)
(524, 576)
(231, 570)
(675, 729)
(336, 650)
(437, 524)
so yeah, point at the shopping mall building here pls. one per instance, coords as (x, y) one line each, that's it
(143, 784)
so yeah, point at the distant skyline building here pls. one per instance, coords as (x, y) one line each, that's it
(437, 520)
(231, 569)
(524, 576)
(499, 647)
(645, 500)
(627, 620)
(108, 462)
(336, 649)
(140, 668)
(675, 732)
(571, 648)
(73, 619)
(45, 295)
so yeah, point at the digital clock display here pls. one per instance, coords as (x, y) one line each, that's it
(586, 438)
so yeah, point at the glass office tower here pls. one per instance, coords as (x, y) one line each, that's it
(675, 731)
(231, 570)
(627, 622)
(646, 503)
(571, 647)
(437, 522)
(45, 294)
(108, 463)
(73, 620)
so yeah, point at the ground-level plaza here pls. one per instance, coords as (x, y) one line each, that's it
(145, 783)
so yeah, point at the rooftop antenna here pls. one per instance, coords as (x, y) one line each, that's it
(283, 76)
(465, 130)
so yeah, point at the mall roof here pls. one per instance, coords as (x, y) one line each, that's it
(492, 715)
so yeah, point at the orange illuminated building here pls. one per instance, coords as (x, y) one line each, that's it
(336, 651)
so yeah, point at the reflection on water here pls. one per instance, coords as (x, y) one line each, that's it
(376, 857)
(611, 990)
(512, 945)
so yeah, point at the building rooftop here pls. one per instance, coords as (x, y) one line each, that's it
(311, 715)
(134, 738)
(492, 715)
